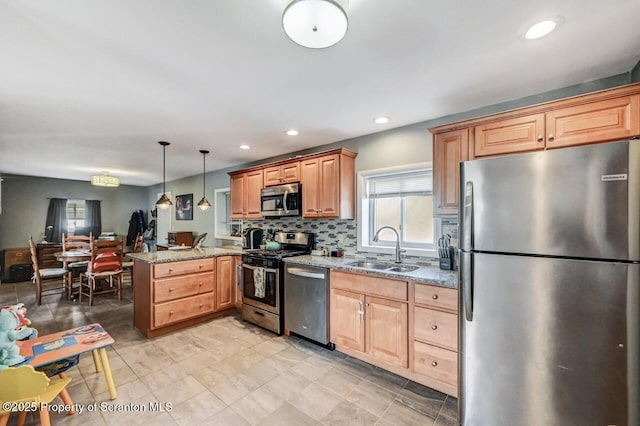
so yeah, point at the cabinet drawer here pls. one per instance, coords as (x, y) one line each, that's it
(170, 312)
(17, 256)
(367, 284)
(175, 288)
(171, 269)
(436, 363)
(436, 327)
(438, 297)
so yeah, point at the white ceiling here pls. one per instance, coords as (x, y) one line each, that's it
(88, 85)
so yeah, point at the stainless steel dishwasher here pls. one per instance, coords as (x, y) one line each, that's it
(306, 302)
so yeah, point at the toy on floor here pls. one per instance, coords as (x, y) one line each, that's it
(10, 331)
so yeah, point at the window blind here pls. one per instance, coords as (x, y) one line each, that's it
(400, 184)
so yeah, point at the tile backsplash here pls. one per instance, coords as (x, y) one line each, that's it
(327, 233)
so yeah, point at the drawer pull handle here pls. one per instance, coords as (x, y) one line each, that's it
(434, 297)
(200, 284)
(200, 266)
(201, 305)
(170, 269)
(434, 364)
(170, 312)
(171, 289)
(434, 327)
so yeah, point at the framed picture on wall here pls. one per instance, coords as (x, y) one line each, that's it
(184, 207)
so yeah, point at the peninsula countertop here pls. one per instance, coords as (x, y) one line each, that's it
(423, 275)
(185, 254)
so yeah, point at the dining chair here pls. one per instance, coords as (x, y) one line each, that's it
(75, 243)
(25, 385)
(48, 280)
(105, 268)
(127, 264)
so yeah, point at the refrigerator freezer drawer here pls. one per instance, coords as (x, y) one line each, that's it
(438, 297)
(435, 327)
(436, 363)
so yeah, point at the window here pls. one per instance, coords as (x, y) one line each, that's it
(76, 210)
(225, 227)
(400, 198)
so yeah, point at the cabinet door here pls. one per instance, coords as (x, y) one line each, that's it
(224, 282)
(509, 136)
(387, 331)
(329, 188)
(236, 195)
(594, 122)
(347, 319)
(237, 281)
(290, 173)
(272, 176)
(309, 177)
(253, 185)
(449, 149)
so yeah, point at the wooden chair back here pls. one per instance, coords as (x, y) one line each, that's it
(76, 242)
(106, 256)
(137, 244)
(34, 258)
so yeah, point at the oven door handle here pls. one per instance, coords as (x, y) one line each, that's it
(244, 265)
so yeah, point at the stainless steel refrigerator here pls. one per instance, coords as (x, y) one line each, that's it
(549, 285)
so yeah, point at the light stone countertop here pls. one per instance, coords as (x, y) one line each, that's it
(423, 275)
(184, 254)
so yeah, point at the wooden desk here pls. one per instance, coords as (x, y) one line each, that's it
(65, 344)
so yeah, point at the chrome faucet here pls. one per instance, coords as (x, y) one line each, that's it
(398, 251)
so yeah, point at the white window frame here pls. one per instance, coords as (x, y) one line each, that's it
(221, 205)
(75, 202)
(363, 215)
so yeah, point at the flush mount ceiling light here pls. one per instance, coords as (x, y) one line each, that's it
(382, 120)
(164, 202)
(204, 204)
(541, 29)
(105, 180)
(315, 24)
(292, 132)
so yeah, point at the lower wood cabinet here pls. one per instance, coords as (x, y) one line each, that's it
(172, 295)
(407, 328)
(364, 322)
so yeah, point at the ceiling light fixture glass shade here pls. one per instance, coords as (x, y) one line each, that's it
(164, 202)
(541, 29)
(105, 180)
(315, 24)
(204, 204)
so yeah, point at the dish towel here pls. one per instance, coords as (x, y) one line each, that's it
(258, 282)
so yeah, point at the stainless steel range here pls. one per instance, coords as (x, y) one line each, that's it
(263, 279)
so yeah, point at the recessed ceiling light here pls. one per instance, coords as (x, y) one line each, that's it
(245, 147)
(292, 132)
(382, 120)
(540, 29)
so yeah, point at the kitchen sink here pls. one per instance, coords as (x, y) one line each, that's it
(379, 266)
(405, 268)
(370, 265)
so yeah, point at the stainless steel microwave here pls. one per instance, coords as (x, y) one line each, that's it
(281, 200)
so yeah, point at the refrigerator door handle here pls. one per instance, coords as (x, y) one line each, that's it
(467, 217)
(466, 281)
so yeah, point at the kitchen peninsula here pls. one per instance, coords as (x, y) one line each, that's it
(175, 289)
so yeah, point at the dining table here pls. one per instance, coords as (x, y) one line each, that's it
(71, 256)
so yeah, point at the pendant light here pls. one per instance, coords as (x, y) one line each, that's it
(204, 204)
(164, 202)
(315, 24)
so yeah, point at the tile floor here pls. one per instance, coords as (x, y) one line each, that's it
(224, 372)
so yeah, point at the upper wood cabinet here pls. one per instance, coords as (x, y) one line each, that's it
(245, 195)
(279, 175)
(508, 136)
(328, 186)
(449, 149)
(327, 179)
(602, 121)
